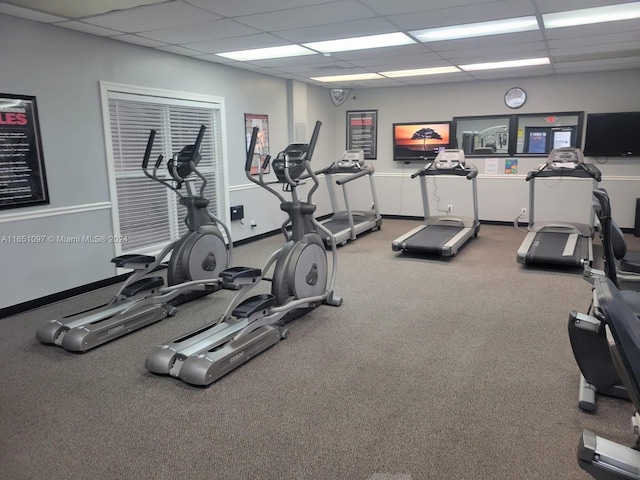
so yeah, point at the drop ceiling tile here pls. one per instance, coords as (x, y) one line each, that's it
(317, 69)
(86, 28)
(596, 49)
(200, 32)
(235, 44)
(507, 51)
(551, 6)
(402, 62)
(401, 50)
(145, 42)
(324, 14)
(463, 14)
(236, 8)
(522, 72)
(434, 79)
(78, 9)
(178, 50)
(355, 28)
(397, 7)
(489, 42)
(153, 17)
(594, 40)
(16, 11)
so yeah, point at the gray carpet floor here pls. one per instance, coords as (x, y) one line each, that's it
(432, 368)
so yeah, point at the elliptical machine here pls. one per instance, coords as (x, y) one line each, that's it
(300, 282)
(196, 260)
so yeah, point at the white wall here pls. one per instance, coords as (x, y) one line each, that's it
(500, 196)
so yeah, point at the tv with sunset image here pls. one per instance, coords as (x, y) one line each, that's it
(420, 140)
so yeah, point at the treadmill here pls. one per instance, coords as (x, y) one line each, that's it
(559, 243)
(443, 234)
(348, 224)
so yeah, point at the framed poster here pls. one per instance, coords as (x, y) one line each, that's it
(23, 182)
(262, 143)
(362, 132)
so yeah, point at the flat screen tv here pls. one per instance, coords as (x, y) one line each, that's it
(420, 140)
(612, 135)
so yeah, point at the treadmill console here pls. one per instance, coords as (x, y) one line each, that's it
(351, 159)
(450, 158)
(565, 158)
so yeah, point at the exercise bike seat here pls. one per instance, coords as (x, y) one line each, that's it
(132, 259)
(148, 283)
(253, 305)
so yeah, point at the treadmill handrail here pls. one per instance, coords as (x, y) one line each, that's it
(362, 173)
(468, 170)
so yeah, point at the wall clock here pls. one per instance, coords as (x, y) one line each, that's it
(515, 97)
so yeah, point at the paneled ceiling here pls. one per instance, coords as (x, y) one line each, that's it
(204, 28)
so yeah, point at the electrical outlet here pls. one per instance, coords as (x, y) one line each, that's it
(449, 208)
(253, 224)
(523, 211)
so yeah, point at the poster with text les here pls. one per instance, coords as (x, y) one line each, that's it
(22, 176)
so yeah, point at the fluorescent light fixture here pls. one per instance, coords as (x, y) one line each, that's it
(267, 53)
(420, 71)
(528, 62)
(360, 43)
(480, 29)
(348, 78)
(586, 16)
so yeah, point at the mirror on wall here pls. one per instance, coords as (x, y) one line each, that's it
(538, 134)
(486, 135)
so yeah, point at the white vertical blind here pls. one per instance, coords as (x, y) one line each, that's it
(149, 213)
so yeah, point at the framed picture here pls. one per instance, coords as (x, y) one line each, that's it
(24, 183)
(362, 132)
(262, 143)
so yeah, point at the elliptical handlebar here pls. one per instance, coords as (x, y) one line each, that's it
(196, 146)
(314, 139)
(147, 152)
(251, 150)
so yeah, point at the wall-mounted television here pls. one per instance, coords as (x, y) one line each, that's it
(612, 135)
(420, 140)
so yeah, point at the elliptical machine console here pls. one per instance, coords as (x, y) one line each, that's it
(301, 281)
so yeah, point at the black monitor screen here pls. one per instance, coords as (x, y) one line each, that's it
(613, 134)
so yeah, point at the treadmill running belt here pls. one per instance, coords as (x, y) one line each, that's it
(548, 247)
(430, 239)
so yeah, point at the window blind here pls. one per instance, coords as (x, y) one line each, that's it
(149, 214)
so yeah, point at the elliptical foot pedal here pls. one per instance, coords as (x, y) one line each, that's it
(132, 258)
(142, 285)
(232, 278)
(230, 274)
(253, 305)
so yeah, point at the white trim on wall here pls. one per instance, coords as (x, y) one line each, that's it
(53, 212)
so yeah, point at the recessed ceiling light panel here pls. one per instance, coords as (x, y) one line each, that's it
(586, 16)
(361, 43)
(267, 53)
(527, 62)
(480, 29)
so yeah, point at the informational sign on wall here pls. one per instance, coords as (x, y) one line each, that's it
(22, 176)
(362, 132)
